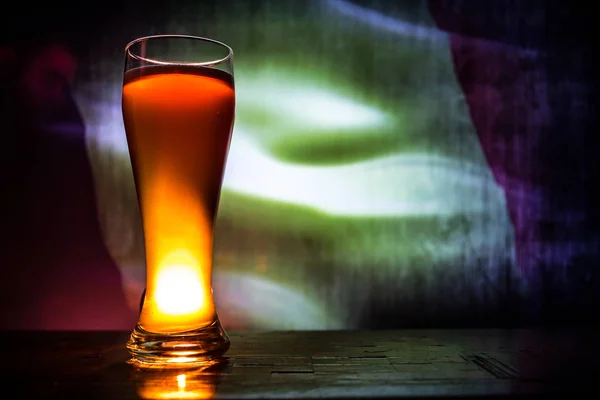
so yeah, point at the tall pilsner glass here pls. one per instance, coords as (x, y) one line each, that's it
(178, 102)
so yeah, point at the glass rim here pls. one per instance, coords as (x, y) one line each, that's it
(176, 36)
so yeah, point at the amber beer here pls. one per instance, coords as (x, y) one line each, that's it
(178, 121)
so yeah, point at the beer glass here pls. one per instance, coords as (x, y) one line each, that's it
(178, 103)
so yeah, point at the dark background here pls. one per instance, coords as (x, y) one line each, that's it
(545, 139)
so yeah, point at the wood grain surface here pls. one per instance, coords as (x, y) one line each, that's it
(311, 364)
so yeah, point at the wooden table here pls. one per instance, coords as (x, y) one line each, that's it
(306, 364)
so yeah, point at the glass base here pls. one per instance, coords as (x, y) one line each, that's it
(197, 348)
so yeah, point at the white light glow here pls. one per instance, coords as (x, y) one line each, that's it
(179, 290)
(311, 107)
(401, 184)
(181, 381)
